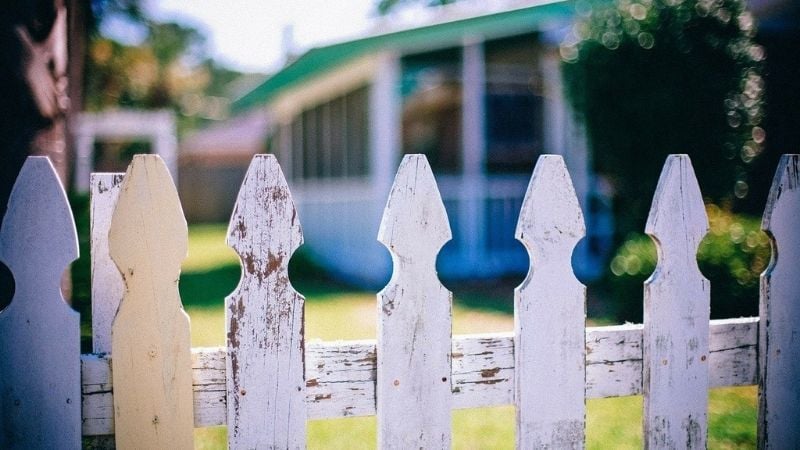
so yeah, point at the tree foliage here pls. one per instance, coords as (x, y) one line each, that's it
(653, 77)
(731, 256)
(169, 68)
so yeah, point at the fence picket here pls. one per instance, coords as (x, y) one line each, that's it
(107, 284)
(550, 315)
(676, 314)
(415, 373)
(414, 330)
(40, 403)
(779, 348)
(151, 359)
(265, 372)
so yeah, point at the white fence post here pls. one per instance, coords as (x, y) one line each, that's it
(107, 284)
(550, 315)
(151, 359)
(779, 334)
(265, 379)
(40, 403)
(414, 330)
(676, 314)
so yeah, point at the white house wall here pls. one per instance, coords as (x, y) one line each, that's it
(324, 88)
(340, 217)
(340, 220)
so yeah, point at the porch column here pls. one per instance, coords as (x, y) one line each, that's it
(562, 134)
(385, 105)
(473, 193)
(385, 146)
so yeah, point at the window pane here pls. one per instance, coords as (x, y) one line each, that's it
(513, 105)
(432, 108)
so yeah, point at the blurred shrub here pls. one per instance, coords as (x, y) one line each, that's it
(732, 256)
(652, 77)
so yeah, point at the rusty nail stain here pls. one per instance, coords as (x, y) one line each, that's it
(703, 358)
(664, 362)
(397, 382)
(155, 420)
(488, 373)
(243, 392)
(444, 379)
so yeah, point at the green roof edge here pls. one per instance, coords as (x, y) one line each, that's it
(320, 59)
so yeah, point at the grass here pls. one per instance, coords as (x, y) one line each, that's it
(337, 312)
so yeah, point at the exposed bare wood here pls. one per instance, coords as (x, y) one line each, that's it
(266, 385)
(550, 315)
(676, 313)
(39, 332)
(779, 380)
(341, 375)
(414, 330)
(150, 334)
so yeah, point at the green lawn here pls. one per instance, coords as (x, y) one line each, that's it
(337, 312)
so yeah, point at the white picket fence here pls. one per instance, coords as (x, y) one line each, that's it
(268, 382)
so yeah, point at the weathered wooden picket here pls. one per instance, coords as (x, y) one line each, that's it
(268, 382)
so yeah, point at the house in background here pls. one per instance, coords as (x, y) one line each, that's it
(213, 161)
(479, 94)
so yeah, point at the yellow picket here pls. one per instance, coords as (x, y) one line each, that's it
(151, 363)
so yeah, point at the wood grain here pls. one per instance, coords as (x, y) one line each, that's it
(107, 284)
(341, 375)
(414, 313)
(550, 315)
(779, 362)
(39, 332)
(264, 317)
(676, 314)
(150, 334)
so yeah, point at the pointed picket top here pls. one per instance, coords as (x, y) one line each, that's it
(550, 218)
(148, 211)
(264, 202)
(786, 181)
(779, 352)
(150, 342)
(41, 218)
(40, 403)
(265, 364)
(413, 389)
(678, 211)
(676, 314)
(414, 222)
(550, 314)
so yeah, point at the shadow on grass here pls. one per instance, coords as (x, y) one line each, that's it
(208, 289)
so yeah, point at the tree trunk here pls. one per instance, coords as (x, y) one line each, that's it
(33, 89)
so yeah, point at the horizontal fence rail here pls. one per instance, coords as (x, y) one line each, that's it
(341, 375)
(144, 378)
